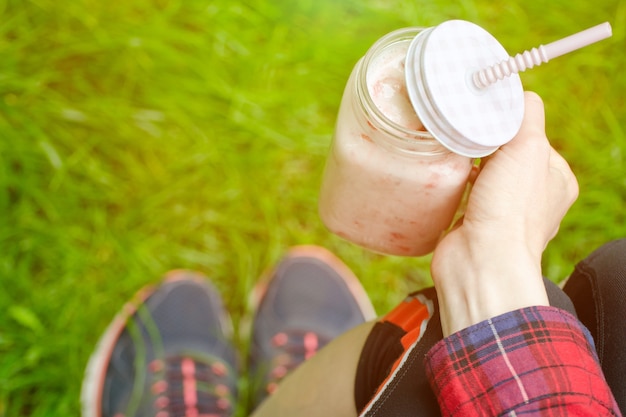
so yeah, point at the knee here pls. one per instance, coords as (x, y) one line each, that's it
(605, 272)
(610, 256)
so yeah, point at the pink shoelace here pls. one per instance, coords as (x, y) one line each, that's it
(186, 387)
(295, 347)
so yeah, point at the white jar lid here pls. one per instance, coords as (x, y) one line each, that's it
(469, 121)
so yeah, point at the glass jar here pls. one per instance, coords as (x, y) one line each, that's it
(388, 185)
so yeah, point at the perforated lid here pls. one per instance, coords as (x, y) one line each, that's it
(467, 120)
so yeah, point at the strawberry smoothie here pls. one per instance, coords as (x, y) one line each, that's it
(388, 185)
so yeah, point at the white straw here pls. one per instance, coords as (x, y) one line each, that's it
(542, 54)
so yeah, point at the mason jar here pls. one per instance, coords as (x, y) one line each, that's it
(388, 184)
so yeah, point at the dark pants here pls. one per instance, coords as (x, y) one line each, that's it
(595, 292)
(597, 289)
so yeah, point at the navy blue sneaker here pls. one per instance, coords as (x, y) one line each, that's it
(167, 353)
(310, 298)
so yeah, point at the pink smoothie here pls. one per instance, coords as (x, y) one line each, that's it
(393, 201)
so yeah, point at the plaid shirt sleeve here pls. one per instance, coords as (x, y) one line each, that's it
(533, 361)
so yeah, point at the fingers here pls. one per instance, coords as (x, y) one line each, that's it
(543, 182)
(564, 178)
(533, 129)
(564, 191)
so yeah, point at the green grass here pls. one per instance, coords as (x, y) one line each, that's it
(145, 135)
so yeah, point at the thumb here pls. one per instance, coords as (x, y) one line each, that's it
(531, 138)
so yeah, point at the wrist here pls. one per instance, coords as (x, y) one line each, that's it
(477, 280)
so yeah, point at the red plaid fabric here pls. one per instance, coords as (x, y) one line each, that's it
(533, 361)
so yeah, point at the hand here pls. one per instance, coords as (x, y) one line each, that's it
(491, 263)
